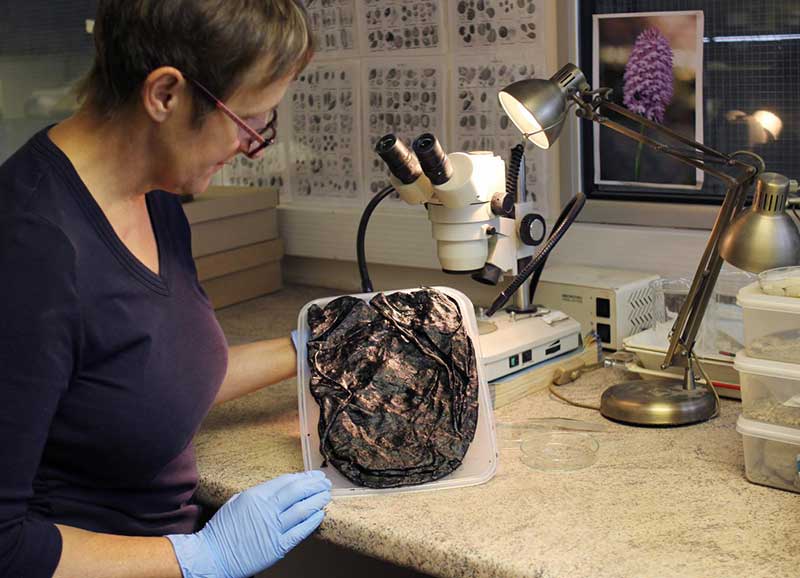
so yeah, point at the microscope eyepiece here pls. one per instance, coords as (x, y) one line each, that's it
(433, 159)
(401, 161)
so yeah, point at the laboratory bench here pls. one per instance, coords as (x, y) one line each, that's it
(657, 502)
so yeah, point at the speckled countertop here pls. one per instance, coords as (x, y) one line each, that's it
(658, 502)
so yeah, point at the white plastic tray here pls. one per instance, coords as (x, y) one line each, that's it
(480, 461)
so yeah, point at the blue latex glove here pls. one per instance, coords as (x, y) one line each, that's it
(256, 528)
(294, 338)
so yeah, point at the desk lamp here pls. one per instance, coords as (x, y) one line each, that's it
(754, 239)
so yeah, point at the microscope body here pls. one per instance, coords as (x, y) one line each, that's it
(484, 226)
(473, 220)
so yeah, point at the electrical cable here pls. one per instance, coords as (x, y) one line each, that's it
(514, 164)
(366, 283)
(552, 389)
(537, 274)
(762, 165)
(591, 339)
(567, 217)
(515, 161)
(516, 158)
(708, 383)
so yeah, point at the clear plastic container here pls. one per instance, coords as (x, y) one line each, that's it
(771, 454)
(783, 281)
(771, 325)
(558, 450)
(770, 390)
(669, 293)
(721, 328)
(479, 463)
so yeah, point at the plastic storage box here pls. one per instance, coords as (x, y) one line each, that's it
(770, 390)
(771, 325)
(771, 454)
(783, 281)
(480, 462)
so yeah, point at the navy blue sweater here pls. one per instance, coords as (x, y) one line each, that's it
(106, 368)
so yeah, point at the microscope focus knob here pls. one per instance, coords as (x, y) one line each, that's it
(503, 204)
(532, 229)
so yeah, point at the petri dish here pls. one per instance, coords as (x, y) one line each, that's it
(510, 434)
(558, 450)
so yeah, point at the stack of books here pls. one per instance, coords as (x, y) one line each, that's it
(235, 243)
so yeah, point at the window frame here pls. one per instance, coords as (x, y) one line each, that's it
(576, 172)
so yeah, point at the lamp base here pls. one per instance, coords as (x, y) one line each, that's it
(659, 402)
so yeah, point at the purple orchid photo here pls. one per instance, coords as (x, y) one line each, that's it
(649, 83)
(653, 64)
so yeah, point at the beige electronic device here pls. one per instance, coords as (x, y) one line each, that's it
(616, 303)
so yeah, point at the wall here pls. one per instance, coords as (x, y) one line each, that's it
(399, 245)
(668, 252)
(320, 241)
(44, 47)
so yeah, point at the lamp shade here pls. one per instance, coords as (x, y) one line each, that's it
(534, 104)
(763, 236)
(537, 106)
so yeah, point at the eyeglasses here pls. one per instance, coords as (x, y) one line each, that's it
(259, 139)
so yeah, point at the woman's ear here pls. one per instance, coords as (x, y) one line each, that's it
(163, 91)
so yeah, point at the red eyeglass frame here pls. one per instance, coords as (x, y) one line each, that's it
(258, 137)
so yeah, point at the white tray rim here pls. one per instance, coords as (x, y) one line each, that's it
(485, 427)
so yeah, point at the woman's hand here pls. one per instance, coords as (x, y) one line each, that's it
(256, 528)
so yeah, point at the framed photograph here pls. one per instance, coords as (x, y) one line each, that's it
(653, 62)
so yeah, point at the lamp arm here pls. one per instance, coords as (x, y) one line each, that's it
(687, 324)
(707, 150)
(700, 157)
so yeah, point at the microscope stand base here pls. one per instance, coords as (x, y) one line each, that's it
(511, 342)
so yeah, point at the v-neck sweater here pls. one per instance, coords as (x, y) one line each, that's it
(106, 368)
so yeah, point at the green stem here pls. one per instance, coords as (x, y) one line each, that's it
(637, 164)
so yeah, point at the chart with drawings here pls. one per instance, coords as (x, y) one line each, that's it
(324, 147)
(416, 26)
(496, 23)
(391, 66)
(267, 171)
(404, 97)
(479, 123)
(334, 25)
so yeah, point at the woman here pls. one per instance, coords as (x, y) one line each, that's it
(110, 354)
